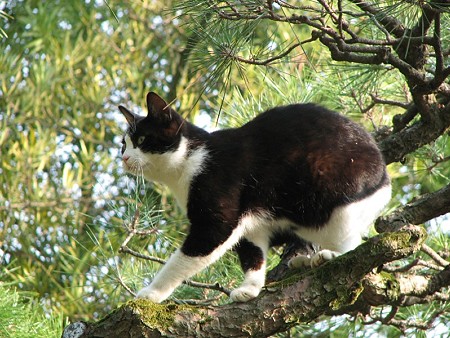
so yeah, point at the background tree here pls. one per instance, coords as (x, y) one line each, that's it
(71, 222)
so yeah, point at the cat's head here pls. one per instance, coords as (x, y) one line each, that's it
(151, 140)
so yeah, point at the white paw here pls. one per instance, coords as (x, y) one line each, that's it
(151, 294)
(299, 261)
(323, 256)
(244, 293)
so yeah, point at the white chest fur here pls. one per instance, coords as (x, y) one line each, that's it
(176, 169)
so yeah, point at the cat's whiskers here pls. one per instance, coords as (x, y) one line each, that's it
(136, 166)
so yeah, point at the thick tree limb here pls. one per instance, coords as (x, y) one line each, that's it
(390, 23)
(399, 144)
(299, 298)
(423, 209)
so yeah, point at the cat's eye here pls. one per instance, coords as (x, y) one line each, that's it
(141, 140)
(124, 146)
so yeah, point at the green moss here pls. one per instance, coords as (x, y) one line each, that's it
(156, 315)
(392, 286)
(403, 240)
(346, 297)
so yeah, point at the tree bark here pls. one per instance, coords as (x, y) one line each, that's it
(339, 286)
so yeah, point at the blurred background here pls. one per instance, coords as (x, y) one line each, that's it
(66, 206)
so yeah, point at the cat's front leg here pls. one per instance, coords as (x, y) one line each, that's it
(177, 269)
(193, 257)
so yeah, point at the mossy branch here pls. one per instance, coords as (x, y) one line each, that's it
(300, 298)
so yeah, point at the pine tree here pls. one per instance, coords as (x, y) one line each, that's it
(83, 237)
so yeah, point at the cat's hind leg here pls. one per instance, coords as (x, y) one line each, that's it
(344, 230)
(252, 252)
(314, 260)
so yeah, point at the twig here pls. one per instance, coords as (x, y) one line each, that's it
(198, 302)
(434, 255)
(125, 286)
(131, 229)
(414, 264)
(422, 209)
(216, 287)
(272, 59)
(390, 315)
(127, 250)
(379, 100)
(400, 121)
(403, 325)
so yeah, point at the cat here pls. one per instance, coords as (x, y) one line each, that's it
(298, 169)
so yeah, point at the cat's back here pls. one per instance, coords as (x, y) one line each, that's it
(305, 121)
(310, 130)
(308, 143)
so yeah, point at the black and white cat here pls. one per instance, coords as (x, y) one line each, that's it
(299, 169)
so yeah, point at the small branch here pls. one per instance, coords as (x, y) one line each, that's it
(437, 161)
(389, 23)
(127, 250)
(424, 23)
(125, 286)
(427, 207)
(400, 121)
(415, 264)
(403, 325)
(434, 255)
(132, 228)
(216, 287)
(390, 315)
(438, 46)
(272, 59)
(379, 100)
(397, 145)
(196, 302)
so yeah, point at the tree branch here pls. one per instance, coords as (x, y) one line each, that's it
(423, 209)
(284, 304)
(397, 145)
(391, 24)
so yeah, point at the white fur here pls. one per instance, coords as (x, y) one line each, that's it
(258, 231)
(176, 169)
(251, 286)
(345, 229)
(180, 267)
(348, 224)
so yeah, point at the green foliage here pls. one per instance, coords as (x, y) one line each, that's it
(63, 70)
(21, 316)
(66, 206)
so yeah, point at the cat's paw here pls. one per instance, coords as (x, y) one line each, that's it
(322, 256)
(244, 293)
(151, 294)
(299, 261)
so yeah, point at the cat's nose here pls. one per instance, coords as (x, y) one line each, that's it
(125, 158)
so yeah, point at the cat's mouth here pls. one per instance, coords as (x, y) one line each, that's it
(134, 167)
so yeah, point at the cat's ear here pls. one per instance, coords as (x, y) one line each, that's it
(131, 117)
(157, 107)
